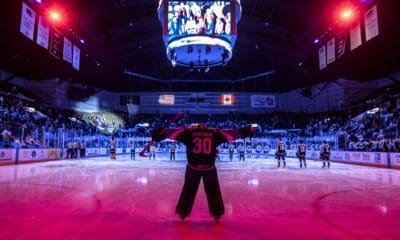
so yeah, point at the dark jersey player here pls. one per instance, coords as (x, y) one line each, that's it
(325, 154)
(201, 146)
(301, 153)
(280, 153)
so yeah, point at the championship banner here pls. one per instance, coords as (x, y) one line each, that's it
(355, 36)
(340, 44)
(76, 58)
(331, 51)
(322, 57)
(43, 33)
(227, 99)
(28, 17)
(67, 50)
(263, 101)
(371, 23)
(55, 43)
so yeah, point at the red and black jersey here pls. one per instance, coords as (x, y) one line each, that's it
(281, 147)
(301, 149)
(325, 149)
(201, 143)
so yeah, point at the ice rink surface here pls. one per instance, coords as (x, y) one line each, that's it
(99, 198)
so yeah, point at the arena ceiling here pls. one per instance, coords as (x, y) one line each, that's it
(274, 50)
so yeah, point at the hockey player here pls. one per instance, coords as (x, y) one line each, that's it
(172, 151)
(281, 152)
(241, 152)
(69, 150)
(133, 150)
(325, 154)
(153, 150)
(75, 149)
(258, 150)
(112, 148)
(301, 153)
(201, 145)
(231, 151)
(217, 154)
(83, 149)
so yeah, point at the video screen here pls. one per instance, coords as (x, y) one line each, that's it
(188, 18)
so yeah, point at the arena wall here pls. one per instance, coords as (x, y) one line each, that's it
(375, 159)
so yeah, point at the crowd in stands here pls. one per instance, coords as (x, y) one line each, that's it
(25, 123)
(373, 125)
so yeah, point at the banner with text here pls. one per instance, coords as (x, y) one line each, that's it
(43, 33)
(371, 23)
(28, 18)
(355, 36)
(263, 101)
(331, 54)
(322, 57)
(395, 159)
(76, 58)
(55, 43)
(7, 156)
(38, 154)
(67, 50)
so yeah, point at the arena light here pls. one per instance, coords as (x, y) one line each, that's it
(143, 125)
(347, 14)
(55, 16)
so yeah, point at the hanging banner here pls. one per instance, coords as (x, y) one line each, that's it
(76, 58)
(331, 51)
(340, 44)
(28, 17)
(67, 50)
(262, 101)
(55, 43)
(355, 36)
(322, 57)
(371, 23)
(43, 33)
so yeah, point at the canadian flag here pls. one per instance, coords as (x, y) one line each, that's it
(227, 99)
